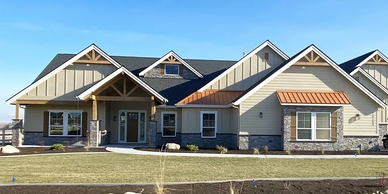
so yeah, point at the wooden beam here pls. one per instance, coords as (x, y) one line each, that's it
(24, 102)
(312, 63)
(88, 56)
(98, 56)
(124, 85)
(132, 90)
(94, 107)
(312, 56)
(121, 98)
(153, 108)
(316, 58)
(107, 85)
(93, 55)
(171, 62)
(92, 62)
(307, 58)
(17, 110)
(117, 90)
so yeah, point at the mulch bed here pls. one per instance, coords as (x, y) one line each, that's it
(214, 151)
(248, 187)
(46, 150)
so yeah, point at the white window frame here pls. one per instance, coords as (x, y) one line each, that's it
(162, 122)
(215, 123)
(165, 69)
(65, 122)
(314, 128)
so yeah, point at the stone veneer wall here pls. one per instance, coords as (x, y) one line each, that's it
(342, 142)
(33, 138)
(186, 73)
(163, 140)
(247, 142)
(226, 140)
(152, 134)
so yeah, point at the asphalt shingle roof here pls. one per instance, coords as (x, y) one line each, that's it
(350, 65)
(171, 88)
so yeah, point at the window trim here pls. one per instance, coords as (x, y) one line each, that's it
(165, 69)
(162, 121)
(215, 123)
(65, 124)
(313, 126)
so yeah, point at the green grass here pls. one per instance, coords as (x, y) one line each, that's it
(122, 168)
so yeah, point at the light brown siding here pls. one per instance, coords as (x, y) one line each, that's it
(314, 79)
(158, 117)
(250, 71)
(191, 120)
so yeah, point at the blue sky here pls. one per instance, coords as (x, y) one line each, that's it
(32, 32)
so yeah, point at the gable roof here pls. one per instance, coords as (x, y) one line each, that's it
(285, 65)
(120, 70)
(355, 65)
(171, 88)
(51, 70)
(169, 54)
(309, 98)
(243, 59)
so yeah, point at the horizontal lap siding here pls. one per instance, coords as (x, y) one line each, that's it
(249, 72)
(69, 82)
(191, 120)
(314, 79)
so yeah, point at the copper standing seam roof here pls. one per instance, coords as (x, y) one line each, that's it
(311, 97)
(211, 97)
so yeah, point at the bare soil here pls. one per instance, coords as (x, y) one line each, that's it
(214, 151)
(47, 150)
(247, 187)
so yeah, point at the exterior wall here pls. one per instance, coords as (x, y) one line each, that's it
(158, 117)
(314, 79)
(248, 142)
(379, 72)
(342, 142)
(377, 91)
(115, 107)
(185, 73)
(227, 140)
(250, 71)
(191, 120)
(33, 138)
(69, 82)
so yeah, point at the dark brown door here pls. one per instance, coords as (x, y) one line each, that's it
(132, 126)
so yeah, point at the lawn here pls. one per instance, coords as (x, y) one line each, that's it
(123, 168)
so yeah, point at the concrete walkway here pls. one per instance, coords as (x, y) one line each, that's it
(129, 150)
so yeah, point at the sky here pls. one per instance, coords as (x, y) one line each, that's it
(33, 32)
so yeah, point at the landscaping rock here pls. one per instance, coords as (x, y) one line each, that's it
(173, 146)
(8, 149)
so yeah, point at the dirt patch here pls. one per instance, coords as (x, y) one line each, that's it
(47, 150)
(249, 187)
(214, 151)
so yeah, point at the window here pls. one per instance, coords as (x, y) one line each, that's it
(169, 124)
(313, 126)
(171, 69)
(208, 124)
(65, 123)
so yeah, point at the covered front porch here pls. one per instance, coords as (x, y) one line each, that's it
(123, 111)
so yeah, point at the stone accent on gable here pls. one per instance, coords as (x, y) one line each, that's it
(186, 73)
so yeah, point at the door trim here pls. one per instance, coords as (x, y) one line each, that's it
(138, 126)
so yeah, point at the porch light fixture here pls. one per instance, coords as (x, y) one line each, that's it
(261, 114)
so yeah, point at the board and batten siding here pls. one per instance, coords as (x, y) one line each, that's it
(69, 82)
(250, 71)
(379, 72)
(33, 121)
(309, 79)
(375, 90)
(191, 120)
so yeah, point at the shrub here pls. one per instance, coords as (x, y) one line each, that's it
(256, 151)
(57, 146)
(265, 149)
(66, 143)
(288, 152)
(192, 147)
(323, 152)
(222, 149)
(41, 143)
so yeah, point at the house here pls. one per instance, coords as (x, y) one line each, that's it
(303, 102)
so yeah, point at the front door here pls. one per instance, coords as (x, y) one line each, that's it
(132, 126)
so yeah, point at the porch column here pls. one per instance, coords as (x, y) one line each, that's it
(94, 107)
(17, 136)
(153, 109)
(17, 110)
